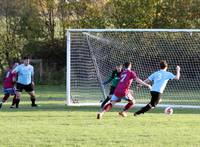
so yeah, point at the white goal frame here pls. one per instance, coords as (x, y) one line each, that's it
(68, 61)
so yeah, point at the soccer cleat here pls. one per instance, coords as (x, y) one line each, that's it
(123, 114)
(34, 105)
(136, 114)
(1, 105)
(12, 106)
(99, 115)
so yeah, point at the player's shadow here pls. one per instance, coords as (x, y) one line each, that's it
(62, 107)
(49, 107)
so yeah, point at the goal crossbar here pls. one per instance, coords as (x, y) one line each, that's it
(133, 30)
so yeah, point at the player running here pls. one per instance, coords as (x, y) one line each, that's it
(114, 79)
(8, 86)
(159, 79)
(122, 91)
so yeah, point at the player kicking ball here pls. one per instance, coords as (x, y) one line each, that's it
(159, 79)
(114, 79)
(122, 91)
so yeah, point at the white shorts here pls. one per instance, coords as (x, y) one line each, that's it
(128, 97)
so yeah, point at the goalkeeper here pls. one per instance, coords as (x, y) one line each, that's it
(114, 78)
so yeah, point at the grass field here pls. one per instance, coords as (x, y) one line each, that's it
(54, 124)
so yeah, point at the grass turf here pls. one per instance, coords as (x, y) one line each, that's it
(54, 124)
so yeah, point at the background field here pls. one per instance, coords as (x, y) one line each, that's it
(54, 124)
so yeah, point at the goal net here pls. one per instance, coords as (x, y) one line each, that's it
(92, 54)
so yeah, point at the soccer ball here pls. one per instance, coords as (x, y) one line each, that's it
(169, 110)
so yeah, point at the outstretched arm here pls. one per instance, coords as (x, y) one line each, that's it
(143, 83)
(177, 73)
(147, 81)
(15, 70)
(110, 79)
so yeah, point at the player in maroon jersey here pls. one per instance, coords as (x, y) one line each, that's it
(123, 91)
(8, 85)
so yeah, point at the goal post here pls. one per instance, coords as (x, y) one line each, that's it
(93, 53)
(68, 69)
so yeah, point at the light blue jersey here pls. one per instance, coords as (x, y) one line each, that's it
(160, 79)
(25, 74)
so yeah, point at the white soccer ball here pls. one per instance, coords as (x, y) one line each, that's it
(169, 110)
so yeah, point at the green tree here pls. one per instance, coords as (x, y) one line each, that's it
(48, 9)
(177, 14)
(31, 23)
(130, 13)
(10, 43)
(85, 14)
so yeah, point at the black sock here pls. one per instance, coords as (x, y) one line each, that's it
(14, 100)
(33, 100)
(105, 101)
(17, 102)
(144, 109)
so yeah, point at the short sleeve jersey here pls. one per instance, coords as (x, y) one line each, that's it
(25, 74)
(8, 79)
(160, 79)
(126, 79)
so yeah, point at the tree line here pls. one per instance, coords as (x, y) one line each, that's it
(37, 27)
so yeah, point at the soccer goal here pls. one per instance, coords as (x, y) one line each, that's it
(93, 53)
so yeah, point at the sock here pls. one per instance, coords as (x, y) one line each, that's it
(107, 107)
(128, 106)
(105, 101)
(33, 100)
(14, 100)
(5, 98)
(144, 109)
(17, 103)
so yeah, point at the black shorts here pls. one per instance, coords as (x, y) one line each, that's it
(28, 88)
(112, 90)
(155, 98)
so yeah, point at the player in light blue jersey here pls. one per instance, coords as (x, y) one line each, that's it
(25, 80)
(159, 79)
